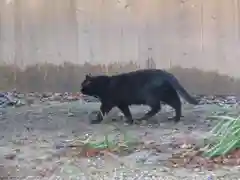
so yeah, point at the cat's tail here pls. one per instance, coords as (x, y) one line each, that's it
(180, 89)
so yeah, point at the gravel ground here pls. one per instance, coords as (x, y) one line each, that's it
(30, 139)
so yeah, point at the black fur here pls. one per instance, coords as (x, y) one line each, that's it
(146, 87)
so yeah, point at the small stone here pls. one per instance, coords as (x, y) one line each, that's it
(218, 160)
(70, 114)
(186, 146)
(126, 124)
(197, 169)
(164, 169)
(17, 150)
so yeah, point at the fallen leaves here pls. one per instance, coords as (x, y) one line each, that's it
(194, 159)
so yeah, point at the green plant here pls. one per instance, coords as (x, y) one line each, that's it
(227, 136)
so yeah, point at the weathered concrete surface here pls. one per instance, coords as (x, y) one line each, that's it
(29, 137)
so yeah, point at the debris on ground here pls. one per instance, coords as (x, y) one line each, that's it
(55, 140)
(222, 149)
(7, 100)
(31, 98)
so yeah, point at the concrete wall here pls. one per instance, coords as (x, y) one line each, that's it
(200, 33)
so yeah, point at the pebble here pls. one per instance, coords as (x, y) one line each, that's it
(164, 169)
(70, 114)
(197, 169)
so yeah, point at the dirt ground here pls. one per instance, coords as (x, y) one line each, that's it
(31, 140)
